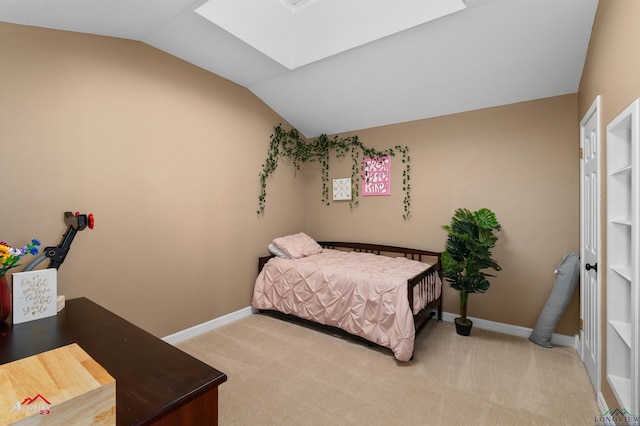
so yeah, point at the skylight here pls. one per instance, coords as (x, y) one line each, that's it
(298, 32)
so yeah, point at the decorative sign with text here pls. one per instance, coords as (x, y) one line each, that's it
(342, 189)
(376, 176)
(35, 295)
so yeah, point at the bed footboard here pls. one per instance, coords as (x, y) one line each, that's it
(425, 295)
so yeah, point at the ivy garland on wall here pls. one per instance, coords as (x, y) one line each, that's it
(290, 144)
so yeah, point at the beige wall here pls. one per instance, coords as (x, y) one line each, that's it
(521, 161)
(165, 155)
(152, 146)
(612, 70)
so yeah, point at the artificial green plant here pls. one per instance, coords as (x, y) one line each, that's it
(291, 145)
(468, 254)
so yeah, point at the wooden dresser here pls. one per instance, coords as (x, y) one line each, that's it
(156, 383)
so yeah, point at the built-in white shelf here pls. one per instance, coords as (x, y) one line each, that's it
(624, 331)
(623, 271)
(621, 388)
(626, 170)
(623, 252)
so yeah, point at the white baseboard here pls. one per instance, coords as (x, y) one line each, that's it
(602, 404)
(196, 330)
(513, 330)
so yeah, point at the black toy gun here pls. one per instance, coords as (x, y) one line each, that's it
(75, 222)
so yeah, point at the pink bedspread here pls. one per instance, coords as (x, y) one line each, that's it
(364, 294)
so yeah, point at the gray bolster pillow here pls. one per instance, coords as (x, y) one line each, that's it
(561, 294)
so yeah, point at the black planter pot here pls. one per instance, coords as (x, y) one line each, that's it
(463, 329)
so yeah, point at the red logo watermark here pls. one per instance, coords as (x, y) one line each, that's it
(38, 403)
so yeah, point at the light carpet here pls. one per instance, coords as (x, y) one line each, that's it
(281, 373)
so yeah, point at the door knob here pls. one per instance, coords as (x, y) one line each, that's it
(590, 267)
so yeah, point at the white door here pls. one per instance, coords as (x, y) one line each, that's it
(590, 242)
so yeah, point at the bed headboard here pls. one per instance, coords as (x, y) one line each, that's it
(409, 253)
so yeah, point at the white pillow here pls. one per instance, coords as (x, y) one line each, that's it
(276, 251)
(298, 245)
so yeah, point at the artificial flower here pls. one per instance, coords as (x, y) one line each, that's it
(9, 256)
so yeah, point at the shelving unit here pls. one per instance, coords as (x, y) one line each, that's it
(623, 251)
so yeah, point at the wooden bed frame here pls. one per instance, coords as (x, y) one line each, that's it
(420, 319)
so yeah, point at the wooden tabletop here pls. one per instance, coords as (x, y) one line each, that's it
(152, 376)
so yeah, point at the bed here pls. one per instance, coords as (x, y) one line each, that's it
(382, 294)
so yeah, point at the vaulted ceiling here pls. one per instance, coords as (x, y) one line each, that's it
(331, 66)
